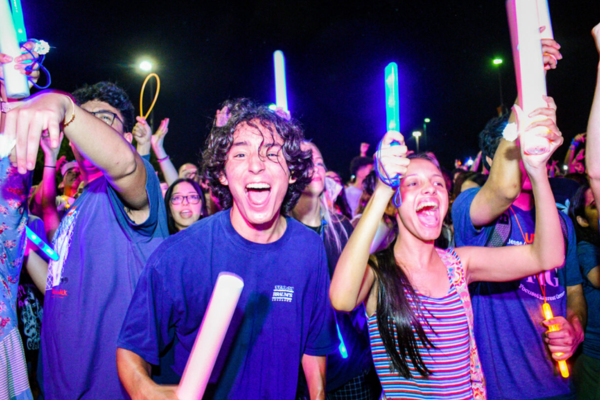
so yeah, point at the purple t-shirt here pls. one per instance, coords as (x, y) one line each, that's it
(508, 315)
(283, 311)
(102, 253)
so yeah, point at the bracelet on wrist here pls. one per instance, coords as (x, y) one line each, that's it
(163, 159)
(50, 166)
(65, 124)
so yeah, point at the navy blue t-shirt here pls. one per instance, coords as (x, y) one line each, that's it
(589, 258)
(508, 315)
(283, 311)
(102, 253)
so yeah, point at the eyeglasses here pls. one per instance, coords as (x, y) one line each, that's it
(107, 116)
(191, 198)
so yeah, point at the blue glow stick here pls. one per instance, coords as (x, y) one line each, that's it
(342, 347)
(41, 244)
(280, 88)
(392, 100)
(18, 21)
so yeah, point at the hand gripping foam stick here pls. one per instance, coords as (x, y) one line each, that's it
(529, 64)
(214, 326)
(280, 86)
(15, 83)
(562, 365)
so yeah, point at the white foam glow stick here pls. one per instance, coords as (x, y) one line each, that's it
(280, 86)
(214, 326)
(529, 65)
(527, 53)
(544, 19)
(15, 83)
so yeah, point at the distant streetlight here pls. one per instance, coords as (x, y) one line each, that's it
(146, 66)
(417, 135)
(497, 63)
(425, 122)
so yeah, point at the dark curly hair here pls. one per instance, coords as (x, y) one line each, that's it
(112, 94)
(220, 139)
(489, 137)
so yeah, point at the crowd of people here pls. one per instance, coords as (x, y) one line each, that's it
(433, 288)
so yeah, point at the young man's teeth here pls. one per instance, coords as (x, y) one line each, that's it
(258, 186)
(427, 204)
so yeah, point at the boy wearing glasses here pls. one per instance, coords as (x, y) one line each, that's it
(255, 164)
(103, 241)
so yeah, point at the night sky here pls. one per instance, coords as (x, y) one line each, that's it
(209, 51)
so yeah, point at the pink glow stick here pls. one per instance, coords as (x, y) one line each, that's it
(544, 19)
(208, 343)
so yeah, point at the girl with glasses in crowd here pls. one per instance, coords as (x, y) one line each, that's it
(185, 204)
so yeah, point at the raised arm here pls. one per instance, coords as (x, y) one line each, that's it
(142, 134)
(548, 249)
(592, 147)
(166, 165)
(353, 279)
(98, 142)
(48, 188)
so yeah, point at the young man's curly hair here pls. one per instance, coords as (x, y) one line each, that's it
(220, 140)
(109, 93)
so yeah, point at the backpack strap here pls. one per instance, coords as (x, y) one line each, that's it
(458, 276)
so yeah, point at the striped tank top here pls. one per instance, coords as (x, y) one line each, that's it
(445, 323)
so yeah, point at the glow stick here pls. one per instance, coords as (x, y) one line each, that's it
(392, 101)
(18, 21)
(342, 347)
(544, 19)
(155, 95)
(529, 64)
(280, 88)
(562, 365)
(15, 83)
(214, 326)
(41, 244)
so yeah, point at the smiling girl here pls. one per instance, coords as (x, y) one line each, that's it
(416, 296)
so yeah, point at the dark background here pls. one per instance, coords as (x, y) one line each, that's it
(208, 51)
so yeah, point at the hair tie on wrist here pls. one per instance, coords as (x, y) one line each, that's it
(163, 159)
(50, 166)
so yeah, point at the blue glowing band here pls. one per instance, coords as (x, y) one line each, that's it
(280, 88)
(41, 244)
(342, 347)
(18, 21)
(392, 107)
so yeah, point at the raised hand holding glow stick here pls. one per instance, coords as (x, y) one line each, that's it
(280, 86)
(15, 83)
(214, 326)
(529, 63)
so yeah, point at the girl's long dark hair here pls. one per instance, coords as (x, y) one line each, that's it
(396, 319)
(169, 193)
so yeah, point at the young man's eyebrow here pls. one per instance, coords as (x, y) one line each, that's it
(242, 143)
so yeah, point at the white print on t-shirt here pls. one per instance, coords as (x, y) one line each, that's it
(61, 243)
(283, 293)
(553, 289)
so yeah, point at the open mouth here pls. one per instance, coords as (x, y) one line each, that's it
(186, 213)
(258, 193)
(428, 213)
